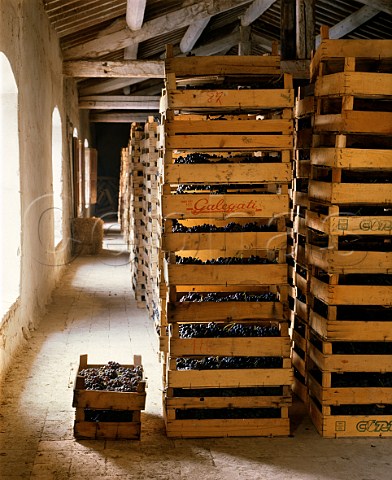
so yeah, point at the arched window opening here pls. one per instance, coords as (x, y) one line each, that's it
(57, 156)
(10, 209)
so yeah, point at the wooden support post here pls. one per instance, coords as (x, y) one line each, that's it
(245, 46)
(305, 25)
(287, 29)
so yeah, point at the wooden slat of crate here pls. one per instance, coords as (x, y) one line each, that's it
(228, 402)
(230, 142)
(350, 158)
(363, 84)
(303, 138)
(333, 49)
(235, 346)
(178, 274)
(256, 377)
(352, 121)
(256, 427)
(301, 199)
(351, 294)
(349, 225)
(108, 430)
(227, 100)
(301, 390)
(234, 127)
(302, 168)
(348, 395)
(305, 107)
(298, 363)
(350, 193)
(228, 173)
(333, 261)
(349, 363)
(224, 206)
(224, 241)
(218, 311)
(223, 65)
(346, 330)
(340, 426)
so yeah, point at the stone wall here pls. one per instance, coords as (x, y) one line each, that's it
(32, 48)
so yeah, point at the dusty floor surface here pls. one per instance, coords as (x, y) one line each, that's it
(93, 312)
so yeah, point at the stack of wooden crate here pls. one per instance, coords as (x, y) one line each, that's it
(137, 225)
(349, 222)
(123, 194)
(151, 216)
(228, 139)
(298, 270)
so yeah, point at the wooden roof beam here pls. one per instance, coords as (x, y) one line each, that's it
(253, 12)
(382, 5)
(350, 23)
(192, 35)
(122, 69)
(158, 26)
(135, 14)
(119, 102)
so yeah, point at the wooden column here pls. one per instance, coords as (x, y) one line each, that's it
(305, 28)
(245, 46)
(287, 29)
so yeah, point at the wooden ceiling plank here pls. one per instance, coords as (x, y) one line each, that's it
(135, 14)
(382, 5)
(121, 69)
(255, 10)
(159, 26)
(192, 34)
(81, 22)
(350, 23)
(130, 52)
(84, 7)
(108, 86)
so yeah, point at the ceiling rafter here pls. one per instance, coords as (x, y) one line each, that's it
(108, 86)
(126, 68)
(119, 102)
(193, 33)
(164, 24)
(350, 23)
(254, 11)
(382, 5)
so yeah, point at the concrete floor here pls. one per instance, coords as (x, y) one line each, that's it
(93, 312)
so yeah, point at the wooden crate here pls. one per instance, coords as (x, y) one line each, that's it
(227, 100)
(231, 378)
(335, 294)
(350, 193)
(352, 158)
(242, 427)
(226, 173)
(224, 241)
(332, 54)
(229, 206)
(339, 426)
(225, 275)
(362, 84)
(335, 329)
(335, 222)
(278, 346)
(327, 361)
(323, 388)
(223, 65)
(339, 262)
(100, 401)
(223, 311)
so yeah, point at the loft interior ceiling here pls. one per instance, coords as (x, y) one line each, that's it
(96, 30)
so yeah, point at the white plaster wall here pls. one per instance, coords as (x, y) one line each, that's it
(32, 48)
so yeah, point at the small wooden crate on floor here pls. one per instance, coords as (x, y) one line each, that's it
(94, 407)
